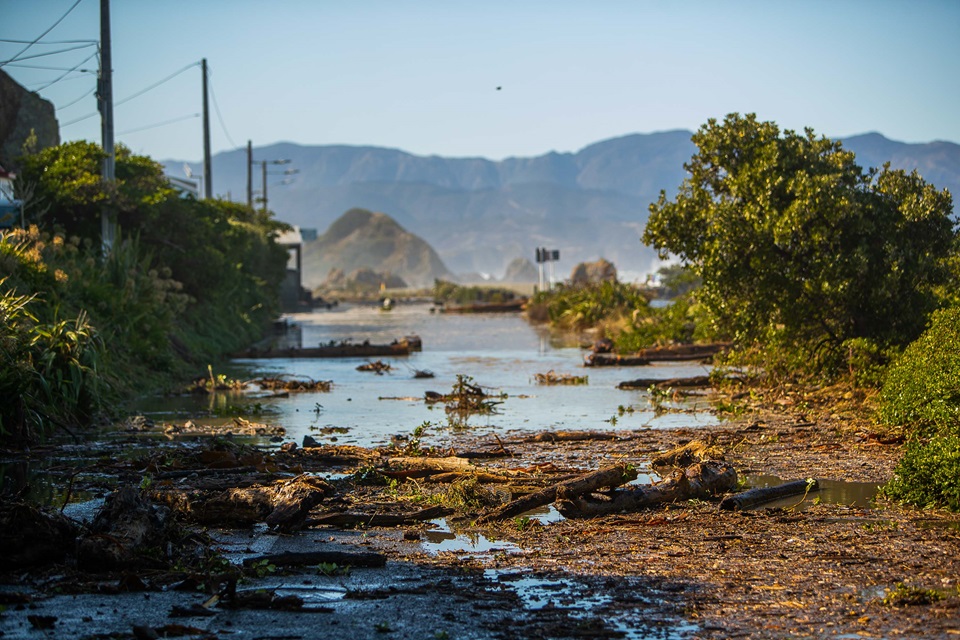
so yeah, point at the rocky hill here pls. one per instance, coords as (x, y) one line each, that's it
(24, 114)
(363, 240)
(481, 214)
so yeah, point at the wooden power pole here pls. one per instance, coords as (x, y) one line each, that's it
(108, 226)
(207, 168)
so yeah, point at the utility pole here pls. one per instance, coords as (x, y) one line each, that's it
(263, 165)
(207, 169)
(250, 174)
(108, 227)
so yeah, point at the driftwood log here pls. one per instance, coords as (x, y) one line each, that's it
(694, 382)
(347, 519)
(569, 436)
(660, 354)
(701, 480)
(608, 477)
(761, 495)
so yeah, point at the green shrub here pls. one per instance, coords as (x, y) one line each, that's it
(922, 388)
(49, 372)
(928, 475)
(922, 394)
(586, 306)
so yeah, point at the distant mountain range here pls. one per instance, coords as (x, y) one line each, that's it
(480, 214)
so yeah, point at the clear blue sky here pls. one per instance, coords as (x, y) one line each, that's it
(423, 75)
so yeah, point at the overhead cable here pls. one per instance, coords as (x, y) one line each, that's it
(159, 124)
(33, 42)
(216, 107)
(68, 72)
(129, 98)
(50, 53)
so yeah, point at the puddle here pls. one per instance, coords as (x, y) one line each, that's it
(581, 601)
(939, 524)
(442, 539)
(545, 515)
(854, 494)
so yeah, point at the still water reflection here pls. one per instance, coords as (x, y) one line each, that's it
(499, 351)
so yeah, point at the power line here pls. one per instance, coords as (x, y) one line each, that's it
(70, 104)
(43, 68)
(129, 98)
(69, 71)
(52, 27)
(49, 53)
(156, 84)
(216, 107)
(160, 124)
(47, 43)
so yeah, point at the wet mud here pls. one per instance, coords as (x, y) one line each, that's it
(836, 562)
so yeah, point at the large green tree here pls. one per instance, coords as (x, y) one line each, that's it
(799, 246)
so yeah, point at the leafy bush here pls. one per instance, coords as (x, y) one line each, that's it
(195, 280)
(585, 306)
(928, 475)
(684, 321)
(922, 388)
(444, 291)
(797, 244)
(922, 393)
(48, 371)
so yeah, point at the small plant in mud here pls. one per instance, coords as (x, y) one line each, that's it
(659, 397)
(262, 568)
(383, 627)
(525, 523)
(468, 495)
(905, 595)
(412, 447)
(369, 476)
(331, 569)
(467, 399)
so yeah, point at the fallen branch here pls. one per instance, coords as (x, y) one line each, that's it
(608, 477)
(702, 480)
(346, 519)
(694, 382)
(761, 495)
(569, 436)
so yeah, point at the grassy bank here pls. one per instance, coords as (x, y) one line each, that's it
(185, 282)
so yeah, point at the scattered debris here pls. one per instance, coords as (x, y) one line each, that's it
(378, 367)
(286, 384)
(551, 378)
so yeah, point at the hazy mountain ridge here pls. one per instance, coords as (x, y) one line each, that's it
(479, 214)
(361, 239)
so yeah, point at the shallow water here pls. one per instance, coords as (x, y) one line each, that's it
(501, 352)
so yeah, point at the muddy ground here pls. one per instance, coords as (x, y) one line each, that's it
(679, 570)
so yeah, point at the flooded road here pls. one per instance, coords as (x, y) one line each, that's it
(501, 352)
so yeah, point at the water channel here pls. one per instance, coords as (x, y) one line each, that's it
(501, 352)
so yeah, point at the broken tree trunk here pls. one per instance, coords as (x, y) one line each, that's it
(761, 495)
(702, 480)
(608, 477)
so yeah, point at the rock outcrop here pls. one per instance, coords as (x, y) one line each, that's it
(24, 115)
